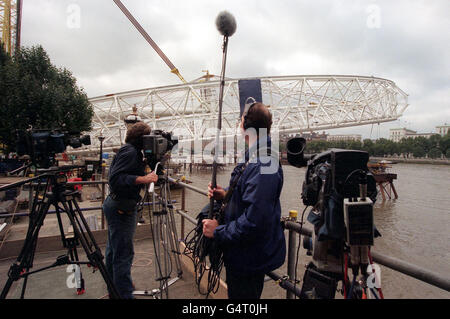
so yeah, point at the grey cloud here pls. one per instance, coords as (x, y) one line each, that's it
(273, 38)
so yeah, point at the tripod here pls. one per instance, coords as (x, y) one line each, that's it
(55, 194)
(162, 223)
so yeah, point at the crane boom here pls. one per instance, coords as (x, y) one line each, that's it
(147, 37)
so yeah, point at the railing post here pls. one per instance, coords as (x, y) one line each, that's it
(103, 194)
(292, 246)
(183, 208)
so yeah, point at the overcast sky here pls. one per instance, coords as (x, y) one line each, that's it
(405, 41)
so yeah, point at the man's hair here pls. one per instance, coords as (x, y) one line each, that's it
(135, 133)
(258, 116)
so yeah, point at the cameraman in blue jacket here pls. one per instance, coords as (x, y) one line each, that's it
(252, 238)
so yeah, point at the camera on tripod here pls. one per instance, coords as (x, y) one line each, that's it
(341, 191)
(157, 147)
(43, 145)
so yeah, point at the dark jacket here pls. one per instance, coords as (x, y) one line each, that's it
(126, 166)
(252, 238)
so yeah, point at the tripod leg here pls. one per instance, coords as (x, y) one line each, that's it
(167, 261)
(173, 241)
(157, 242)
(96, 257)
(60, 224)
(29, 257)
(29, 263)
(167, 237)
(72, 245)
(25, 259)
(70, 242)
(153, 225)
(155, 221)
(87, 241)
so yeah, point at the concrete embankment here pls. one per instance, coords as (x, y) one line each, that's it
(412, 160)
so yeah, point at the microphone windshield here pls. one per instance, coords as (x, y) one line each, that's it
(226, 24)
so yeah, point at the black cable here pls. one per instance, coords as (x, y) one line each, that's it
(197, 250)
(200, 247)
(359, 170)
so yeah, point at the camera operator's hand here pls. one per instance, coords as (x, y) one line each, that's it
(147, 179)
(209, 225)
(217, 193)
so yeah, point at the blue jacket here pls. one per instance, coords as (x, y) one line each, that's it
(126, 166)
(252, 238)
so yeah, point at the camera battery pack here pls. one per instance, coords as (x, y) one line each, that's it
(317, 285)
(358, 217)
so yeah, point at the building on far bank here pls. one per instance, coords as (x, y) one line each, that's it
(313, 136)
(442, 129)
(396, 134)
(426, 135)
(345, 137)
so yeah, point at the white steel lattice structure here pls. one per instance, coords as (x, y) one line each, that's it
(298, 104)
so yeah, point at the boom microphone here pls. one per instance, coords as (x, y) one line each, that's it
(226, 24)
(203, 247)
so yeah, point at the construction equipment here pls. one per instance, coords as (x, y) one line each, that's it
(10, 24)
(166, 60)
(147, 37)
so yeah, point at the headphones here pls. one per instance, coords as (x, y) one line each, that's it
(248, 105)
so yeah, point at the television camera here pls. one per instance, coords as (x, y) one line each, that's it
(43, 145)
(157, 147)
(341, 192)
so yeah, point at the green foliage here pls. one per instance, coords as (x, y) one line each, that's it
(435, 153)
(444, 144)
(33, 92)
(433, 147)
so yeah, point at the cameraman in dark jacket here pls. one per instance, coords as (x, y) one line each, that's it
(252, 237)
(126, 178)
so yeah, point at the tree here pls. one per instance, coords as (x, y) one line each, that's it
(423, 143)
(435, 153)
(418, 151)
(444, 144)
(368, 146)
(35, 92)
(406, 146)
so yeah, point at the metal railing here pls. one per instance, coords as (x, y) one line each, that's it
(286, 282)
(293, 227)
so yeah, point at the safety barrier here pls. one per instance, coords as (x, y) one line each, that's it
(294, 227)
